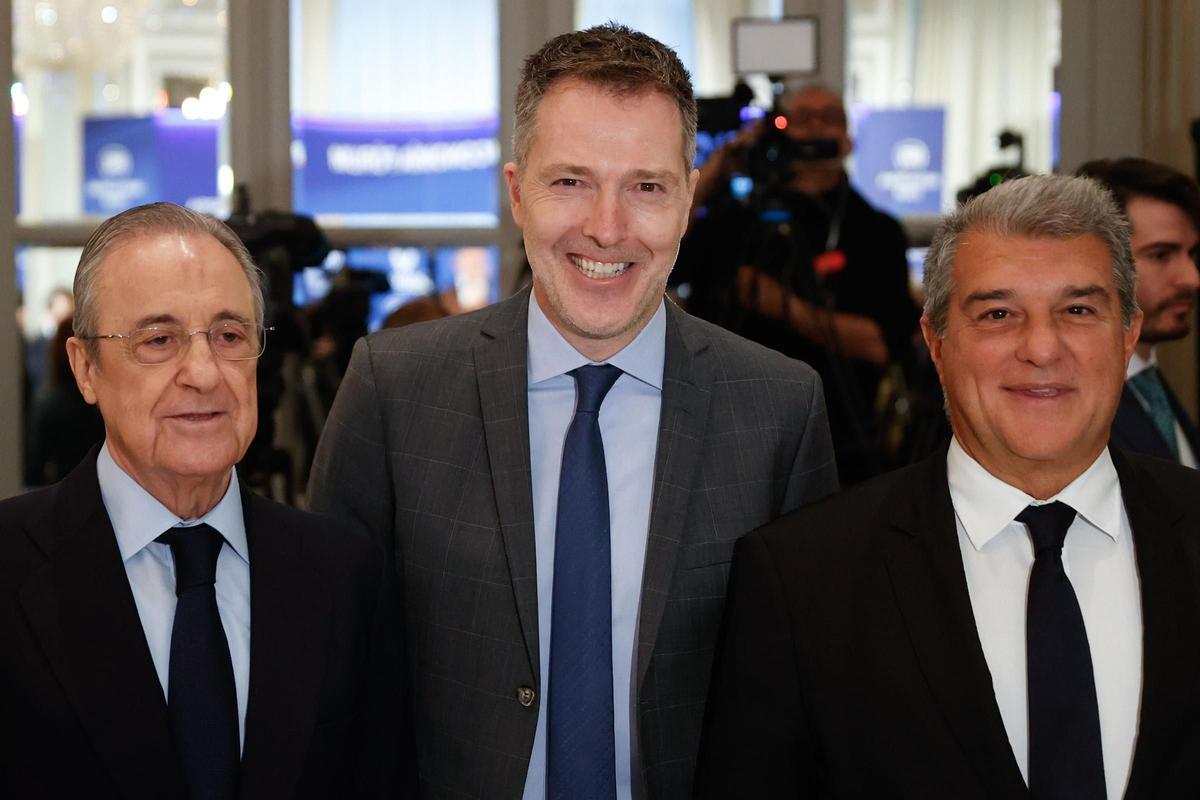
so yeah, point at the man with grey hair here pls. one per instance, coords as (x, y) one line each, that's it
(560, 478)
(137, 594)
(1015, 616)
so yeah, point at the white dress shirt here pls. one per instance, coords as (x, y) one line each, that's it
(629, 428)
(138, 519)
(1099, 559)
(1136, 365)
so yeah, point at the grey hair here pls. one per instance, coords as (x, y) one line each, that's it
(613, 57)
(145, 220)
(1038, 206)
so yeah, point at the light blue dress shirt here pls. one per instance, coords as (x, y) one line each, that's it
(138, 519)
(629, 427)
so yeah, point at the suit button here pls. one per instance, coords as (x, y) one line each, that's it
(526, 696)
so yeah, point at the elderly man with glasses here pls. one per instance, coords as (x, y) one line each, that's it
(166, 633)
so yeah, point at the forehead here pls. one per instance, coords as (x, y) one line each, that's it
(186, 275)
(987, 261)
(589, 121)
(1152, 216)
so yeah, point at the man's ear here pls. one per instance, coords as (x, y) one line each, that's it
(933, 341)
(514, 192)
(83, 365)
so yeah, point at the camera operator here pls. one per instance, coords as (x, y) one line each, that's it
(803, 264)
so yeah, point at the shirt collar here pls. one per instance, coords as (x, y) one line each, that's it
(550, 355)
(1138, 364)
(985, 505)
(138, 518)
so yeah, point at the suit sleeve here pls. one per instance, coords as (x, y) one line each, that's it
(351, 478)
(756, 741)
(814, 471)
(387, 763)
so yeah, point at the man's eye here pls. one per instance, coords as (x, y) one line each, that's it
(155, 339)
(1079, 310)
(648, 187)
(567, 182)
(996, 313)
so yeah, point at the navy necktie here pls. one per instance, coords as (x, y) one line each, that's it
(1065, 756)
(581, 761)
(202, 700)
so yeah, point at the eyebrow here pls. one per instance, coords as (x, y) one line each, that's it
(1163, 245)
(640, 175)
(1070, 292)
(224, 315)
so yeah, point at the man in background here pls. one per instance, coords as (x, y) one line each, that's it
(805, 265)
(1163, 206)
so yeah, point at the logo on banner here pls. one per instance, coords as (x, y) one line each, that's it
(909, 179)
(115, 187)
(114, 161)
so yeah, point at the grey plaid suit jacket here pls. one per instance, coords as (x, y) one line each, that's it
(427, 450)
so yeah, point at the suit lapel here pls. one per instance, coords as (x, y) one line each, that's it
(925, 566)
(687, 388)
(1170, 624)
(501, 371)
(81, 610)
(1184, 419)
(288, 612)
(1137, 430)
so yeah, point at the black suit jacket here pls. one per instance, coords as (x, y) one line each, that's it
(850, 665)
(82, 713)
(1134, 430)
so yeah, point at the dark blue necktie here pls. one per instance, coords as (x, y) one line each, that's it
(1065, 756)
(202, 700)
(581, 761)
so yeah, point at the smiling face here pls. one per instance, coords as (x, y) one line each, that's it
(1033, 356)
(184, 421)
(1165, 248)
(602, 200)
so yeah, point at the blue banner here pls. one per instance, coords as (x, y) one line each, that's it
(133, 160)
(419, 174)
(898, 159)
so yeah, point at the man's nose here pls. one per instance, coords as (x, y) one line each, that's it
(1187, 273)
(199, 365)
(607, 219)
(1041, 340)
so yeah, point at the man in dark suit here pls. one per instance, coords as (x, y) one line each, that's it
(167, 634)
(1163, 206)
(1016, 616)
(560, 478)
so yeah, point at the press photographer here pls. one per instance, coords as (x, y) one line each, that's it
(783, 250)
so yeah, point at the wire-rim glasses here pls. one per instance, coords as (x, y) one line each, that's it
(229, 340)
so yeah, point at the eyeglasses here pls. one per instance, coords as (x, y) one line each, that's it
(158, 344)
(831, 116)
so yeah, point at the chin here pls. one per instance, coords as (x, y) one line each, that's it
(199, 463)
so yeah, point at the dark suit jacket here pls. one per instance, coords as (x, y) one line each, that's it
(427, 449)
(82, 713)
(850, 665)
(1134, 430)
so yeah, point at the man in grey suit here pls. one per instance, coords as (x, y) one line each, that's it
(562, 607)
